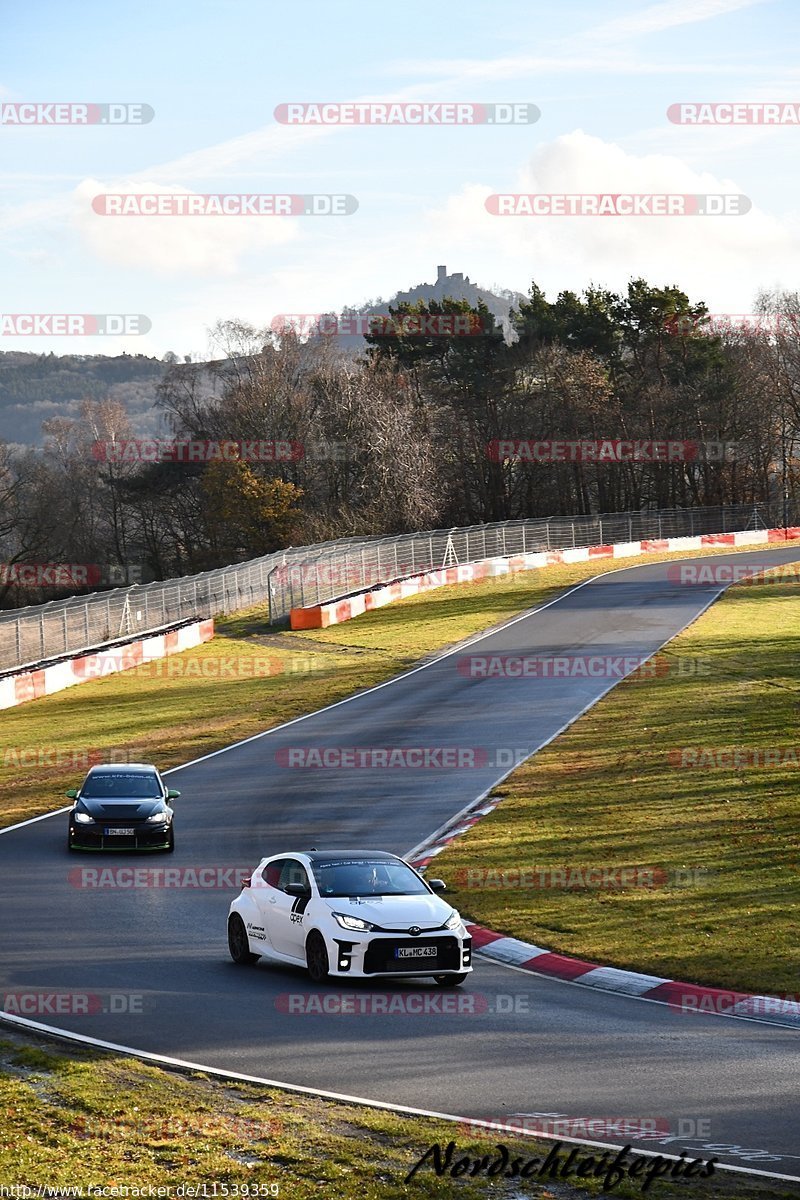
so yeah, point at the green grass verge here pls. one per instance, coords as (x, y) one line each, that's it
(612, 792)
(74, 1117)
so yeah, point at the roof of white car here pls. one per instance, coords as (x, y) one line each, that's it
(121, 768)
(334, 856)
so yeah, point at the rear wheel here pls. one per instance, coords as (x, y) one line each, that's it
(317, 957)
(449, 980)
(238, 942)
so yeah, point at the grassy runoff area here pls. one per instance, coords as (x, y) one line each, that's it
(77, 1117)
(71, 1117)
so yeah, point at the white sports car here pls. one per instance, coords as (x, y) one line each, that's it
(349, 914)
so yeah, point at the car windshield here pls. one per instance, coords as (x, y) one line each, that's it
(362, 877)
(121, 785)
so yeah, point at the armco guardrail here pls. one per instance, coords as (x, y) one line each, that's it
(307, 575)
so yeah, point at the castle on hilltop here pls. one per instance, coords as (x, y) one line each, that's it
(442, 276)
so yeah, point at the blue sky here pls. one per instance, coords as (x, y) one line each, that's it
(602, 73)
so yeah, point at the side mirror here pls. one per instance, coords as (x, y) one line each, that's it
(437, 885)
(172, 794)
(72, 794)
(297, 889)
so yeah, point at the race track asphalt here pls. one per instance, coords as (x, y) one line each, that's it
(521, 1044)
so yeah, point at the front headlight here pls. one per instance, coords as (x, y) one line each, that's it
(84, 819)
(159, 818)
(348, 922)
(453, 921)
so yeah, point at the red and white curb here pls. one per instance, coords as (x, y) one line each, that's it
(682, 997)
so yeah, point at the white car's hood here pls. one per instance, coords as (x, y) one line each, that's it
(394, 912)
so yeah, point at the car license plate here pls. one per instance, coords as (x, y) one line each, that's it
(415, 952)
(119, 832)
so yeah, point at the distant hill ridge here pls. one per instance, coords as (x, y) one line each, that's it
(35, 387)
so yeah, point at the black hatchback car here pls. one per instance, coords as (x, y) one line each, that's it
(123, 806)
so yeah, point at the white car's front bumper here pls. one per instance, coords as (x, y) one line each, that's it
(366, 955)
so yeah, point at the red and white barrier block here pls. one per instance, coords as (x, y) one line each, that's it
(320, 616)
(32, 685)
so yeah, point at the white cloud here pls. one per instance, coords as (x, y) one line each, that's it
(721, 259)
(199, 246)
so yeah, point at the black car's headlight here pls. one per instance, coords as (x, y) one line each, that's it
(83, 818)
(159, 818)
(348, 922)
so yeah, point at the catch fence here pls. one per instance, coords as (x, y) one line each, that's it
(315, 574)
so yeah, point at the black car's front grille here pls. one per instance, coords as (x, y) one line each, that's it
(95, 836)
(381, 955)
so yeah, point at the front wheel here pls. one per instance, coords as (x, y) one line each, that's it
(170, 846)
(238, 942)
(317, 957)
(449, 980)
